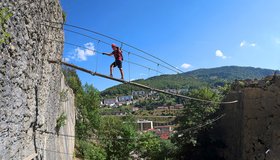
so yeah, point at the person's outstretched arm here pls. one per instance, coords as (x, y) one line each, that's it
(108, 54)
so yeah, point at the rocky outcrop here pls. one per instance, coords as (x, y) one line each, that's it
(32, 91)
(251, 128)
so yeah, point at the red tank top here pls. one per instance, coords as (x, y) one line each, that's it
(118, 55)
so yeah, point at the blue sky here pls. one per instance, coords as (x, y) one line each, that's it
(188, 34)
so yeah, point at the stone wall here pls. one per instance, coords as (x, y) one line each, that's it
(30, 87)
(251, 128)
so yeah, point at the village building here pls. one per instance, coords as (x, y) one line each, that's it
(138, 93)
(125, 98)
(145, 125)
(110, 102)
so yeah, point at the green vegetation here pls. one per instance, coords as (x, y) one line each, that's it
(193, 80)
(150, 146)
(118, 137)
(218, 75)
(64, 16)
(98, 138)
(113, 111)
(63, 95)
(156, 101)
(111, 137)
(160, 82)
(60, 121)
(192, 125)
(5, 15)
(87, 102)
(89, 150)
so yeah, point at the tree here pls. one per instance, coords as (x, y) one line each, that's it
(89, 150)
(72, 80)
(88, 120)
(195, 116)
(87, 102)
(118, 137)
(150, 146)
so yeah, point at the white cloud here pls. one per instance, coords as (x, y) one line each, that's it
(81, 54)
(220, 54)
(186, 66)
(242, 43)
(247, 44)
(253, 44)
(90, 49)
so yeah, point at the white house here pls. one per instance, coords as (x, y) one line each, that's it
(110, 102)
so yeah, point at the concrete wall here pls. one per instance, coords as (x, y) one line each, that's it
(30, 87)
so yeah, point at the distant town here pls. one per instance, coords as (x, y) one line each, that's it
(128, 99)
(125, 105)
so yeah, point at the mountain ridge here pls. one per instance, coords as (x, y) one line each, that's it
(243, 72)
(203, 77)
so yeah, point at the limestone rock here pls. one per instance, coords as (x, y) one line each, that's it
(30, 86)
(251, 129)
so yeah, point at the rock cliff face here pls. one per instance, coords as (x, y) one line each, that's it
(32, 91)
(251, 128)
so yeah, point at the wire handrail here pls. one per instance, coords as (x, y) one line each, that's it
(114, 39)
(132, 53)
(139, 85)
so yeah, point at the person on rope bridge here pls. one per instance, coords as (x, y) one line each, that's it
(118, 59)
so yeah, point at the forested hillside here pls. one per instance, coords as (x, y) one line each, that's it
(194, 79)
(229, 73)
(161, 82)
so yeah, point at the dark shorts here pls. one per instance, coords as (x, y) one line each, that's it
(117, 63)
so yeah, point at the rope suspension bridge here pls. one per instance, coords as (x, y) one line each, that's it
(175, 69)
(136, 84)
(94, 73)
